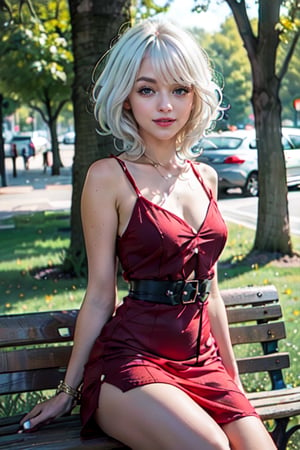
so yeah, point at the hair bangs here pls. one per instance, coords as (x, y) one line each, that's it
(167, 63)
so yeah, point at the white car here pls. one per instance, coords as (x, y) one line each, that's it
(233, 154)
(25, 143)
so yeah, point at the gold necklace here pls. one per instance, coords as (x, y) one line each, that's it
(157, 165)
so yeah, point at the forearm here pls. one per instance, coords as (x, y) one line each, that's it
(90, 321)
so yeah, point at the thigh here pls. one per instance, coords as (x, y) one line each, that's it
(248, 433)
(157, 416)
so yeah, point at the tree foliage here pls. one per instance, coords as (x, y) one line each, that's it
(35, 44)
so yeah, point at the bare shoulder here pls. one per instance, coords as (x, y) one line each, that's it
(209, 175)
(104, 175)
(103, 171)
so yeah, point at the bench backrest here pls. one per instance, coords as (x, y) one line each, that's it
(35, 347)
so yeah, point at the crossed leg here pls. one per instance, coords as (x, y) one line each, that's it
(160, 416)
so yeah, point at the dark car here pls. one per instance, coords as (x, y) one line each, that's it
(233, 154)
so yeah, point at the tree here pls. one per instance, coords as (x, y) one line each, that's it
(36, 44)
(273, 230)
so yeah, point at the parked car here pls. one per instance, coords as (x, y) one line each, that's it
(69, 138)
(26, 144)
(233, 154)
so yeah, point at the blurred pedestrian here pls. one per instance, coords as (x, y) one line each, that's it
(14, 155)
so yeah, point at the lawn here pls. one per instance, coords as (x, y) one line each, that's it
(40, 240)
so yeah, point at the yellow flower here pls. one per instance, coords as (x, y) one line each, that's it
(48, 298)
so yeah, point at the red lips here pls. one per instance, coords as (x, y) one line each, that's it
(164, 121)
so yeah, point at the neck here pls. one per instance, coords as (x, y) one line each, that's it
(167, 159)
(172, 168)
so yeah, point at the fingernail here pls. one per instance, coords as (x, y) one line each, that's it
(27, 425)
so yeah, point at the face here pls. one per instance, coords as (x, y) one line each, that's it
(160, 110)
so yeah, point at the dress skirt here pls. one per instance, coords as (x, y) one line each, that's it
(147, 343)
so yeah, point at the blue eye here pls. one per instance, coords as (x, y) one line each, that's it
(181, 91)
(145, 91)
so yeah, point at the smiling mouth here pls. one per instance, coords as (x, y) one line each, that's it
(164, 122)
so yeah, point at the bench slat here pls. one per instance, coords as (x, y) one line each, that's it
(34, 358)
(262, 313)
(36, 328)
(277, 404)
(264, 363)
(257, 333)
(276, 393)
(13, 383)
(250, 295)
(289, 396)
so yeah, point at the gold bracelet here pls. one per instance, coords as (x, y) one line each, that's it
(64, 387)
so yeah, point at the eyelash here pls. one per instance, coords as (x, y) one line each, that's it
(147, 91)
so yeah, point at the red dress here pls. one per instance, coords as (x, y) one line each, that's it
(147, 342)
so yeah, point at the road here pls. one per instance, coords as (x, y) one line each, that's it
(243, 210)
(33, 190)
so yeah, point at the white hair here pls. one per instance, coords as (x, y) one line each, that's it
(176, 57)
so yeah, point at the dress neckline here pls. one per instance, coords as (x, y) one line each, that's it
(180, 219)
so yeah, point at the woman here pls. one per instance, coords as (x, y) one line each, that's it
(159, 372)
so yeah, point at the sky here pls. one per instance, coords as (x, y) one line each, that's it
(210, 21)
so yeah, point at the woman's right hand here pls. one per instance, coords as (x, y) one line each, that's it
(45, 412)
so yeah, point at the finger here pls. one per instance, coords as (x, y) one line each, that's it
(33, 413)
(35, 424)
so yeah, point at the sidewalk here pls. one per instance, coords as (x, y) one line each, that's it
(34, 190)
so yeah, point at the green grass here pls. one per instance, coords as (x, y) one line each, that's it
(40, 240)
(236, 271)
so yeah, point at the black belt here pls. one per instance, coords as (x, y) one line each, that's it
(170, 292)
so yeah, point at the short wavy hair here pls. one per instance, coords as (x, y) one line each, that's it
(176, 57)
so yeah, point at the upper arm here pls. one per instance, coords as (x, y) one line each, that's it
(100, 223)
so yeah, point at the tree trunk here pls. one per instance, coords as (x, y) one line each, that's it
(272, 231)
(94, 25)
(56, 160)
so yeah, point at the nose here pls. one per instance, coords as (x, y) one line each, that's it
(164, 104)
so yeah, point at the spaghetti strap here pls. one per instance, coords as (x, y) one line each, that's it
(207, 190)
(128, 175)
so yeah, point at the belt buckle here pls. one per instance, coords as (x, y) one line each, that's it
(204, 290)
(189, 292)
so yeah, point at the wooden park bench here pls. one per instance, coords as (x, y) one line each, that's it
(35, 348)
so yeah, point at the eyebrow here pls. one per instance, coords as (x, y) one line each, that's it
(147, 79)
